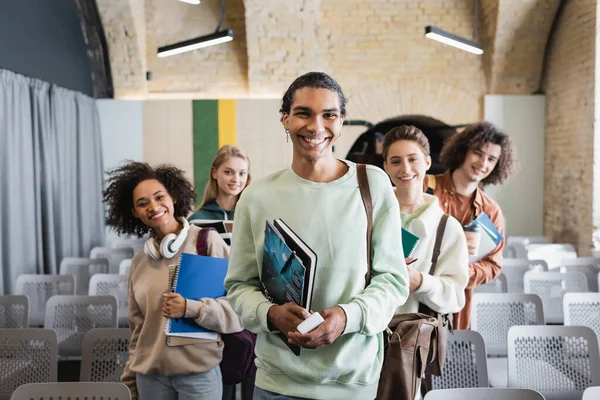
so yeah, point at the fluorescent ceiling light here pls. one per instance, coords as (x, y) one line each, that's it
(197, 43)
(191, 1)
(453, 40)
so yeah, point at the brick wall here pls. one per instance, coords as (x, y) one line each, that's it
(569, 86)
(212, 72)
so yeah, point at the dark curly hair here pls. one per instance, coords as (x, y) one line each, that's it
(474, 137)
(315, 80)
(119, 194)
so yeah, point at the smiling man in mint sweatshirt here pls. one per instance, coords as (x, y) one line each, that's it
(319, 198)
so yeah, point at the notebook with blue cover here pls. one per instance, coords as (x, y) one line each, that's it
(193, 278)
(287, 275)
(490, 237)
(409, 243)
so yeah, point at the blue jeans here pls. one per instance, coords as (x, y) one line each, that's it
(204, 385)
(261, 394)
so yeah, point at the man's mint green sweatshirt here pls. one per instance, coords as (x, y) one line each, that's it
(331, 219)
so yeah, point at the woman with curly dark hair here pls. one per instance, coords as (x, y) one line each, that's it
(144, 199)
(479, 155)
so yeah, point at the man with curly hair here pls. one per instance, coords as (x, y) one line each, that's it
(144, 199)
(480, 155)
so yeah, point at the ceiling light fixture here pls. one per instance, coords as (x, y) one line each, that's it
(219, 36)
(453, 40)
(457, 41)
(195, 2)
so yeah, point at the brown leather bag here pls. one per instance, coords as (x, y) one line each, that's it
(415, 343)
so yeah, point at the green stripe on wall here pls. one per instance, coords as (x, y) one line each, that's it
(206, 141)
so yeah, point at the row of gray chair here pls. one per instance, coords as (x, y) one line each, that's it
(31, 356)
(558, 361)
(39, 288)
(70, 316)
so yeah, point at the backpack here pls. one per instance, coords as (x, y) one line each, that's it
(238, 354)
(415, 343)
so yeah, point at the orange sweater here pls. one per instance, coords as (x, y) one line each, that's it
(489, 267)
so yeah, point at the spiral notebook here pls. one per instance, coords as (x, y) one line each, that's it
(193, 278)
(409, 243)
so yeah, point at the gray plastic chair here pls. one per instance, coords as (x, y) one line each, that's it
(551, 287)
(514, 270)
(558, 361)
(498, 285)
(465, 362)
(14, 312)
(83, 269)
(73, 316)
(554, 253)
(112, 285)
(39, 288)
(104, 354)
(26, 355)
(72, 390)
(124, 267)
(527, 239)
(591, 393)
(588, 266)
(484, 394)
(113, 255)
(135, 243)
(583, 309)
(492, 314)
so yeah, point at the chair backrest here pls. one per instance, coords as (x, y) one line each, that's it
(73, 316)
(591, 393)
(497, 285)
(493, 314)
(484, 394)
(112, 285)
(514, 269)
(14, 311)
(26, 355)
(73, 390)
(82, 269)
(553, 253)
(135, 243)
(124, 266)
(104, 354)
(113, 255)
(588, 266)
(551, 287)
(583, 309)
(465, 362)
(527, 239)
(558, 361)
(39, 288)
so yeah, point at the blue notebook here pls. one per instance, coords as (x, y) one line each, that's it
(193, 278)
(490, 237)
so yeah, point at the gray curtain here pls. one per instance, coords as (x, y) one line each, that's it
(51, 177)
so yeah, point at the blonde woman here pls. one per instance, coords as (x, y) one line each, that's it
(229, 175)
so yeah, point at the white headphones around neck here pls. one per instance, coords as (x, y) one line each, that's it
(169, 245)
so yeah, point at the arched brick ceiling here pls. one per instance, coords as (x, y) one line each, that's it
(124, 24)
(515, 33)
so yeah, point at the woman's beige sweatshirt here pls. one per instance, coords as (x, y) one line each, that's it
(149, 352)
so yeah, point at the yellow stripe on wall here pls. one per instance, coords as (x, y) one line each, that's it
(227, 123)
